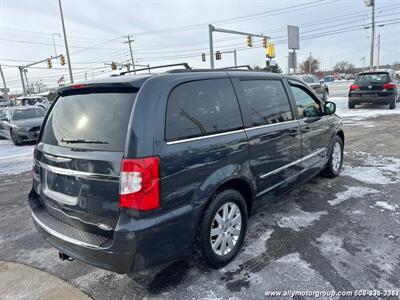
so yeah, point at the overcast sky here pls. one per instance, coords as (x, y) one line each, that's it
(176, 31)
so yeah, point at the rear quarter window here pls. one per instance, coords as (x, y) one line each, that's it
(101, 117)
(203, 107)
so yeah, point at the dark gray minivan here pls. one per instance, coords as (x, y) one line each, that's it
(134, 171)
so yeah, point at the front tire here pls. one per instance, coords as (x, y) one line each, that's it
(15, 138)
(335, 162)
(222, 229)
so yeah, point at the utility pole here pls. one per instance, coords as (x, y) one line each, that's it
(379, 48)
(21, 70)
(26, 80)
(4, 83)
(309, 64)
(235, 57)
(54, 42)
(129, 41)
(371, 59)
(66, 43)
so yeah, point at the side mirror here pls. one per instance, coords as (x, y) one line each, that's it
(329, 108)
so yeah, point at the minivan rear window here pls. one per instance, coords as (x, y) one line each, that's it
(95, 121)
(372, 78)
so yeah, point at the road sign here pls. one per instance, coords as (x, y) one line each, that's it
(293, 37)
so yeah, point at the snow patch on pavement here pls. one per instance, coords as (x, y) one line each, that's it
(296, 218)
(13, 159)
(352, 192)
(328, 243)
(258, 246)
(361, 112)
(385, 205)
(376, 170)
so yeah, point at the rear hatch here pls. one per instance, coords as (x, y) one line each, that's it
(370, 85)
(79, 153)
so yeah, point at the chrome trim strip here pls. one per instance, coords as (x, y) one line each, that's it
(56, 158)
(62, 236)
(69, 172)
(204, 137)
(292, 163)
(270, 125)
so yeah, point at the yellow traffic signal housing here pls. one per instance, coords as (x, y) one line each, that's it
(203, 57)
(270, 51)
(113, 66)
(62, 60)
(264, 42)
(218, 55)
(49, 63)
(249, 41)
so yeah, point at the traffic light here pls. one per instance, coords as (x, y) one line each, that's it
(113, 66)
(249, 41)
(49, 63)
(218, 55)
(62, 60)
(264, 42)
(203, 57)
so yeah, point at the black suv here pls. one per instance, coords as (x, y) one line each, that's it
(377, 87)
(134, 171)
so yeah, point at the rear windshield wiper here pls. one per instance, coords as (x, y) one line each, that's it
(83, 141)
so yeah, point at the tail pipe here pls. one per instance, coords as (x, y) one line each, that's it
(64, 256)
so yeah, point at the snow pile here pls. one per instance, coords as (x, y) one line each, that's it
(362, 112)
(385, 205)
(13, 159)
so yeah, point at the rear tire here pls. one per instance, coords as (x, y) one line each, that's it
(393, 104)
(15, 138)
(335, 162)
(222, 229)
(351, 105)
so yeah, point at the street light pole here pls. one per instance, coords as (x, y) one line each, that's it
(210, 37)
(66, 43)
(379, 50)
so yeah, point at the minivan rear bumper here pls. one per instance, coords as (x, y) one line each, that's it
(136, 244)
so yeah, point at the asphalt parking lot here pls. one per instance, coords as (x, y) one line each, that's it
(338, 234)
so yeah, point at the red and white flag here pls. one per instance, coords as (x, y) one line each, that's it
(61, 80)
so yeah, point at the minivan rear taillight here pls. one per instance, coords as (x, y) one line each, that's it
(140, 183)
(389, 86)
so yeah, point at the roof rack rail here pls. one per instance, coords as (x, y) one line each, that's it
(185, 65)
(236, 67)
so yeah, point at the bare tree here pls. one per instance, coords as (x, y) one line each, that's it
(344, 67)
(305, 65)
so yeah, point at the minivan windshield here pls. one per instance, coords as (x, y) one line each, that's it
(96, 121)
(29, 113)
(372, 78)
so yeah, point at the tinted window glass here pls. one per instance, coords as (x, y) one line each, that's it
(30, 113)
(372, 78)
(267, 101)
(306, 105)
(202, 107)
(101, 117)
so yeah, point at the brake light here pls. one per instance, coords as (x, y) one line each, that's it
(389, 86)
(140, 183)
(354, 87)
(78, 86)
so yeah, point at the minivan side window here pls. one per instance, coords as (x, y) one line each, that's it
(200, 108)
(306, 104)
(267, 101)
